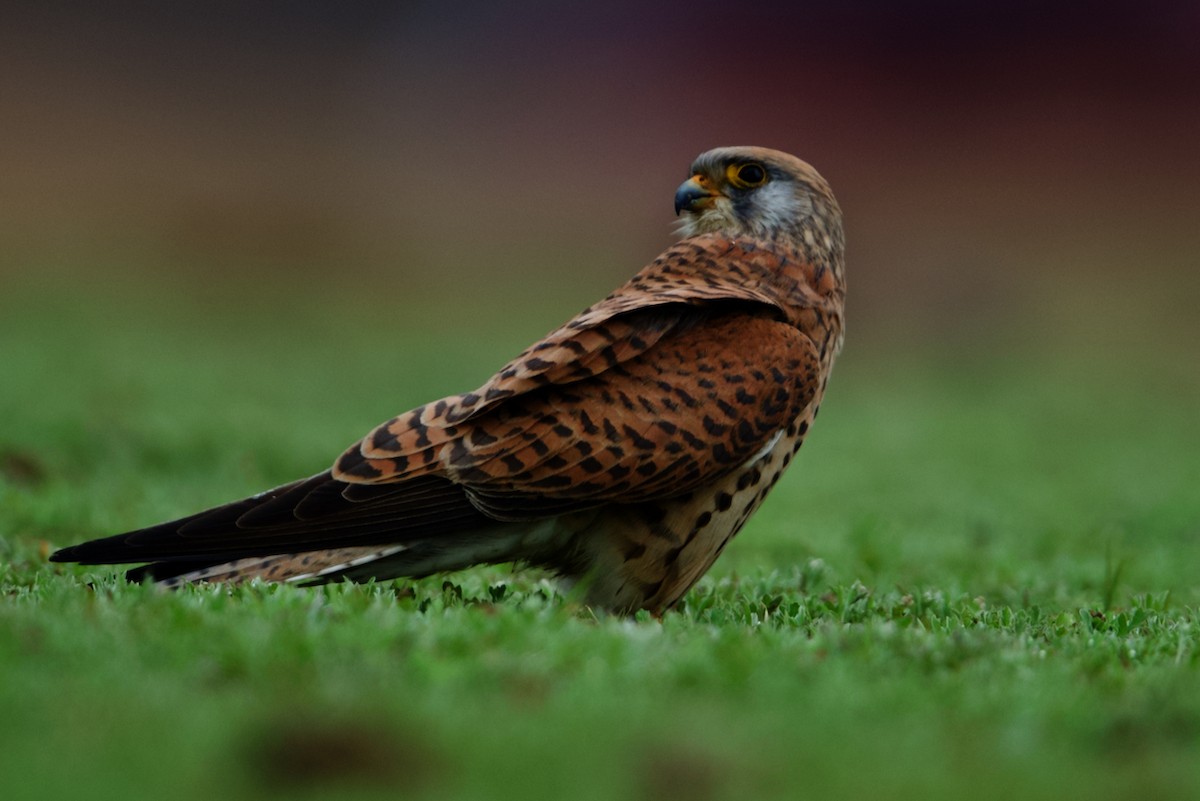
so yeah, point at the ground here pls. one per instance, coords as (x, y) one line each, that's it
(977, 581)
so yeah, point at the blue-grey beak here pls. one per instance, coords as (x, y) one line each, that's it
(693, 194)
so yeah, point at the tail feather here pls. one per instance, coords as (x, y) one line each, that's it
(310, 566)
(313, 530)
(499, 542)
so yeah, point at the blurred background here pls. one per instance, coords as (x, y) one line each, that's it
(310, 216)
(280, 222)
(235, 235)
(1009, 167)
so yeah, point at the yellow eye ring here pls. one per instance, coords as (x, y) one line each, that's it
(746, 175)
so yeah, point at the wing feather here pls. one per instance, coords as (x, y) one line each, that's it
(694, 274)
(701, 403)
(422, 507)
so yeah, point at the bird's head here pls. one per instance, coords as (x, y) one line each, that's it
(760, 193)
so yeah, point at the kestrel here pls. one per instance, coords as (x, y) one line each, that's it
(622, 452)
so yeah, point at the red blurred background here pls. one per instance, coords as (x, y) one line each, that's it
(997, 164)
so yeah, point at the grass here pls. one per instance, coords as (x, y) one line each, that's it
(978, 581)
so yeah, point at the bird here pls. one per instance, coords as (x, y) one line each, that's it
(621, 452)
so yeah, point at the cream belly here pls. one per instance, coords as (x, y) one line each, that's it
(649, 555)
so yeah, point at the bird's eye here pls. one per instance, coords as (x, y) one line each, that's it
(746, 176)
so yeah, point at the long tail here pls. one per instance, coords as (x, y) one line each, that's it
(314, 531)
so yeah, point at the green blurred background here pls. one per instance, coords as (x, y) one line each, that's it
(391, 199)
(234, 236)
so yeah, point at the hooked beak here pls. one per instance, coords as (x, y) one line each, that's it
(694, 194)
